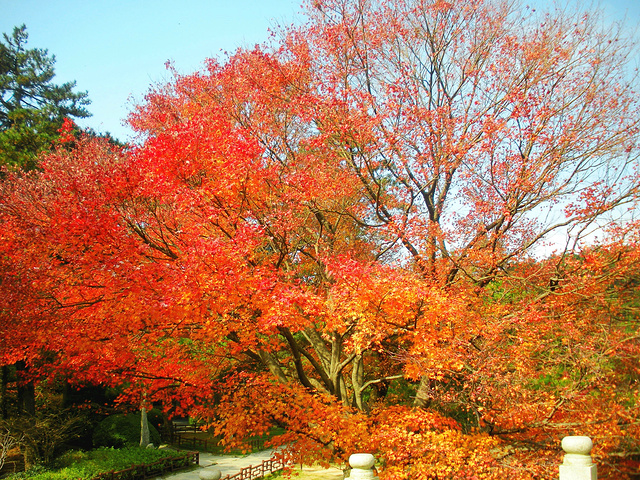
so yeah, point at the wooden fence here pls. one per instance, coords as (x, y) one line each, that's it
(251, 472)
(152, 470)
(185, 435)
(181, 428)
(14, 464)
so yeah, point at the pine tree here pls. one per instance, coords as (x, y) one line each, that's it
(32, 107)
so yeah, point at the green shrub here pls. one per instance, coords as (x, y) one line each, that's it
(120, 431)
(155, 418)
(86, 465)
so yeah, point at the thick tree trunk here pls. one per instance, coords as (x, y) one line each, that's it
(272, 364)
(26, 391)
(144, 428)
(4, 401)
(423, 395)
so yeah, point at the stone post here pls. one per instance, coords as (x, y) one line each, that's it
(577, 464)
(362, 466)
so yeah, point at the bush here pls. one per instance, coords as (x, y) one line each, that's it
(120, 431)
(155, 418)
(77, 465)
(43, 436)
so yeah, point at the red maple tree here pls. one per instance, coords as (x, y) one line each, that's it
(341, 234)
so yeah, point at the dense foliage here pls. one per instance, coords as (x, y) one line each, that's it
(378, 232)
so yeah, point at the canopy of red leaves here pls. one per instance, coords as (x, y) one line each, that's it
(340, 234)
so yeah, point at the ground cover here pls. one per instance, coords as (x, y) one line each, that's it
(90, 464)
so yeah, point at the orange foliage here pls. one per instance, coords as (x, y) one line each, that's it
(340, 234)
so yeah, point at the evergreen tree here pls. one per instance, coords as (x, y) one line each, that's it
(32, 107)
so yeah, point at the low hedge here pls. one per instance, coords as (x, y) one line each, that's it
(100, 462)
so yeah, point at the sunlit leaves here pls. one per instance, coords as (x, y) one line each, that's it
(320, 233)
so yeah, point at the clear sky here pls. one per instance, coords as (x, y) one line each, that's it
(116, 49)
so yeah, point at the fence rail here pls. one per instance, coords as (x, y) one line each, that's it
(252, 472)
(152, 470)
(210, 443)
(178, 428)
(14, 464)
(185, 435)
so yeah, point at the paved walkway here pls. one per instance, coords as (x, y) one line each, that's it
(231, 464)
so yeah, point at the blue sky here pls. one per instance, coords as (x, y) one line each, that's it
(116, 49)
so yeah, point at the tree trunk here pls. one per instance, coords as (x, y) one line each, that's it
(423, 395)
(357, 379)
(26, 391)
(144, 428)
(3, 392)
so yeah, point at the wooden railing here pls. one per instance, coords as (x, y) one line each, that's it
(152, 470)
(181, 435)
(13, 465)
(208, 444)
(252, 472)
(178, 428)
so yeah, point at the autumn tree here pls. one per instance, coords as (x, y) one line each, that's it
(348, 233)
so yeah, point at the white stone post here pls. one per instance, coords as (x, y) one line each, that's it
(362, 466)
(577, 464)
